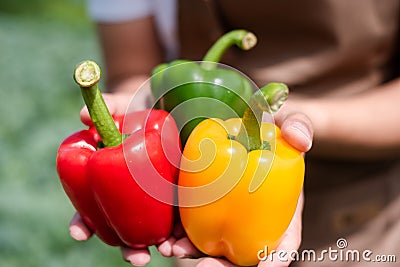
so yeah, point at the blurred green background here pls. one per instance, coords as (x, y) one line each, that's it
(40, 43)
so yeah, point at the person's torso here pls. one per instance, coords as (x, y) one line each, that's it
(317, 47)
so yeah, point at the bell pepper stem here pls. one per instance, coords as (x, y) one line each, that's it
(87, 75)
(268, 99)
(245, 40)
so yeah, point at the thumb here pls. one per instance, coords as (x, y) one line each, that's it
(296, 128)
(78, 229)
(290, 242)
(110, 101)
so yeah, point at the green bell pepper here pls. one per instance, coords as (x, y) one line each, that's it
(193, 91)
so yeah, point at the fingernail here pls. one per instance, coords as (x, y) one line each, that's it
(77, 233)
(179, 252)
(304, 131)
(165, 249)
(139, 259)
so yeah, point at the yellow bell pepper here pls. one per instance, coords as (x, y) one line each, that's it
(240, 182)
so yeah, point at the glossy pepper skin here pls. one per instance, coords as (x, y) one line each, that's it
(183, 84)
(100, 182)
(71, 162)
(257, 193)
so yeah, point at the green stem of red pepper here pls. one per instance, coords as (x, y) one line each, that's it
(268, 99)
(87, 75)
(245, 40)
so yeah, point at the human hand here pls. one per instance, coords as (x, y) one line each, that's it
(117, 104)
(130, 95)
(137, 257)
(296, 129)
(295, 126)
(291, 240)
(180, 246)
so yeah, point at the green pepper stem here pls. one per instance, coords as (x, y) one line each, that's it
(87, 75)
(268, 99)
(245, 40)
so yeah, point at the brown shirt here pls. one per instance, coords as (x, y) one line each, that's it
(317, 47)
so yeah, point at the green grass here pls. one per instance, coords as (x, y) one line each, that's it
(40, 43)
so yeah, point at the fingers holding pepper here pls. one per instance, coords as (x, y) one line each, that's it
(95, 174)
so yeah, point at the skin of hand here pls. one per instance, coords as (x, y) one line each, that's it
(354, 126)
(128, 59)
(290, 242)
(345, 127)
(296, 128)
(180, 246)
(361, 126)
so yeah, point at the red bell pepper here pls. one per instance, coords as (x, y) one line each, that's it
(100, 180)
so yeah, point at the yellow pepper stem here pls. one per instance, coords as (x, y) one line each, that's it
(268, 99)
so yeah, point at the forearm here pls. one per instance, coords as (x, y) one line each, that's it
(361, 126)
(130, 51)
